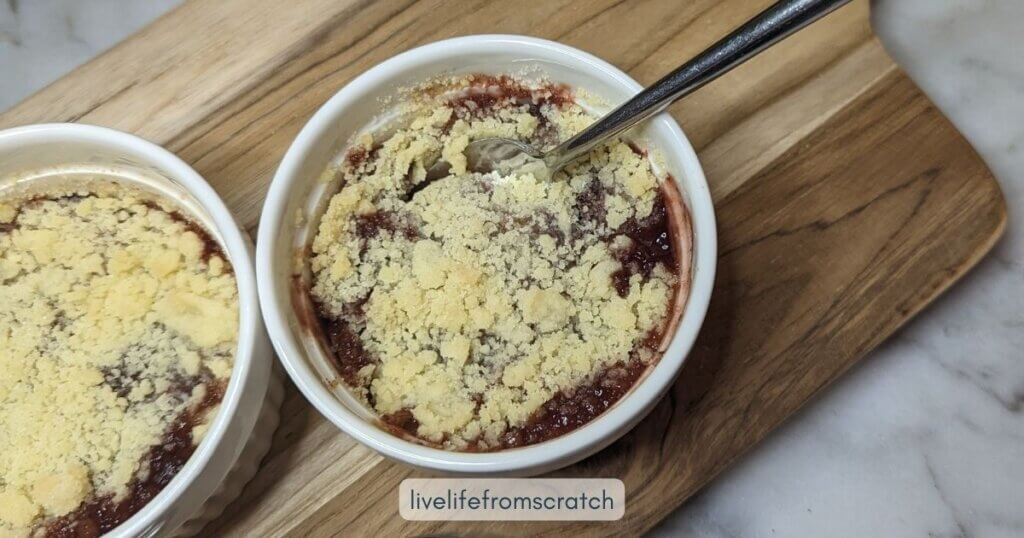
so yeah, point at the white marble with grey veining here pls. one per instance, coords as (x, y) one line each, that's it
(923, 438)
(41, 40)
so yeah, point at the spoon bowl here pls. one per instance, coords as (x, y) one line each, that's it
(488, 154)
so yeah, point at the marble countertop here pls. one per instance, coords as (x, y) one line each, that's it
(926, 436)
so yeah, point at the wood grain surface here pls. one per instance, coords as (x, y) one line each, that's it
(846, 203)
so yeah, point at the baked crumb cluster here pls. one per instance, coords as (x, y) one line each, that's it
(459, 309)
(118, 326)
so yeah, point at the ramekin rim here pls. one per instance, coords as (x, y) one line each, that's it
(596, 432)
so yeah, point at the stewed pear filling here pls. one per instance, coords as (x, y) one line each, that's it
(488, 311)
(118, 327)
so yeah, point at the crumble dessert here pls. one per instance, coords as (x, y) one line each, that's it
(118, 328)
(485, 311)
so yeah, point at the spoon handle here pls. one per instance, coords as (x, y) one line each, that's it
(770, 26)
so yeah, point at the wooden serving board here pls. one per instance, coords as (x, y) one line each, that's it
(846, 203)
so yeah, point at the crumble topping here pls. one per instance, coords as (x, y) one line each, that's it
(118, 326)
(459, 308)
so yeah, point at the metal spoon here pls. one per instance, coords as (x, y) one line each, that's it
(770, 26)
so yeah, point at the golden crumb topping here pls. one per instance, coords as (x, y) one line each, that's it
(471, 302)
(115, 320)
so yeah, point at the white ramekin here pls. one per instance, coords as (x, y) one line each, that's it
(295, 190)
(240, 434)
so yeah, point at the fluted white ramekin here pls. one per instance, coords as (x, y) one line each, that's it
(240, 434)
(291, 211)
